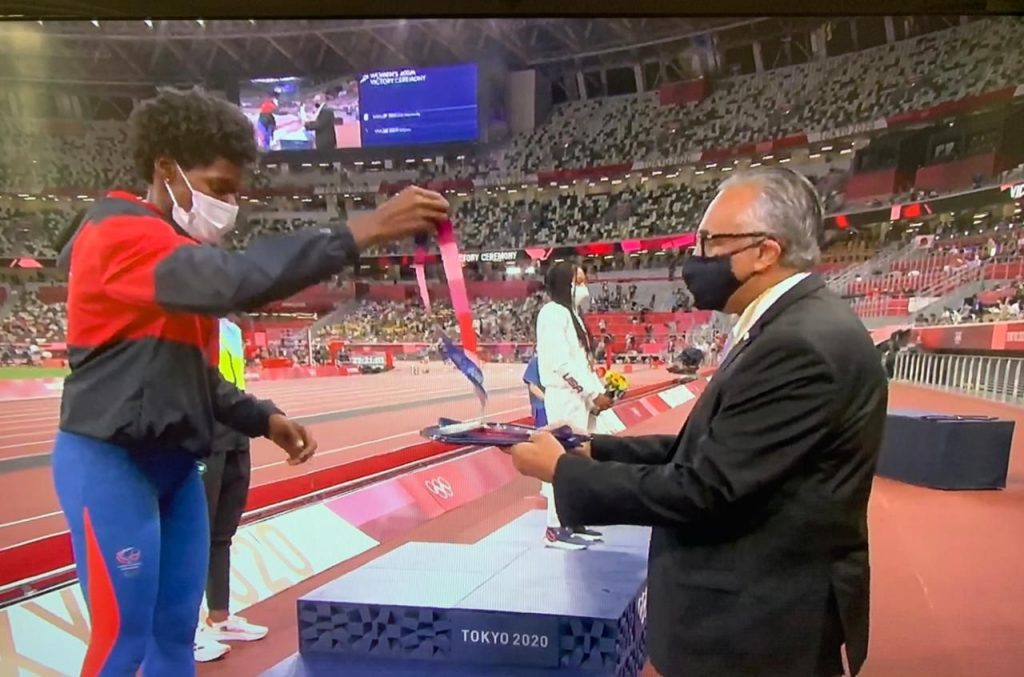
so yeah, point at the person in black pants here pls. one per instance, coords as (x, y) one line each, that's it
(226, 479)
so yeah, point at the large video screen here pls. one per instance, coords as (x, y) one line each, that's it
(301, 114)
(419, 105)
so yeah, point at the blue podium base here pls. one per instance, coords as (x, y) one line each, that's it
(328, 665)
(506, 605)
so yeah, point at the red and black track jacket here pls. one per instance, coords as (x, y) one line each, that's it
(142, 298)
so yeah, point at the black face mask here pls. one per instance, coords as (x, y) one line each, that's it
(710, 280)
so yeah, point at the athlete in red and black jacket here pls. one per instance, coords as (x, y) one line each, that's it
(147, 280)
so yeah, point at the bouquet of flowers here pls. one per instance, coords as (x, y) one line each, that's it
(615, 385)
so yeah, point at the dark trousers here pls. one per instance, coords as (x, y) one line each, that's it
(227, 487)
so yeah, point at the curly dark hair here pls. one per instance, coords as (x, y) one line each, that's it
(192, 126)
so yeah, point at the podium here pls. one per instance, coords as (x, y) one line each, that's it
(504, 606)
(945, 452)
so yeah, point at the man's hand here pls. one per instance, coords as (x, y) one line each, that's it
(538, 457)
(583, 449)
(414, 210)
(293, 438)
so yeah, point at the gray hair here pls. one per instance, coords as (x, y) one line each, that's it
(788, 207)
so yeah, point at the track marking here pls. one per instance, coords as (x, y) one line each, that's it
(321, 454)
(348, 447)
(299, 417)
(26, 520)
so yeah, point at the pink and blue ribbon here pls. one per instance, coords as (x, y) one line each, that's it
(465, 357)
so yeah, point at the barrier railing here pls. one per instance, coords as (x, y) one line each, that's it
(990, 377)
(882, 307)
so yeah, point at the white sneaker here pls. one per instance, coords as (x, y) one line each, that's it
(205, 649)
(234, 629)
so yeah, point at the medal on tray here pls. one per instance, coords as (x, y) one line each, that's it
(483, 434)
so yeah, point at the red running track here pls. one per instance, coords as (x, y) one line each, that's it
(30, 510)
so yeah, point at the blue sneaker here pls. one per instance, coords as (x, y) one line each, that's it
(562, 538)
(587, 534)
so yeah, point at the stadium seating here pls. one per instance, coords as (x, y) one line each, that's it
(33, 315)
(818, 96)
(68, 162)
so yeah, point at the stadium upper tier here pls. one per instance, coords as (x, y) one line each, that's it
(816, 97)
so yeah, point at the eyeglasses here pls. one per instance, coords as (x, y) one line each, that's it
(704, 237)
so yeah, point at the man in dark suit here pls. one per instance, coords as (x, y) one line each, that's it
(322, 124)
(758, 561)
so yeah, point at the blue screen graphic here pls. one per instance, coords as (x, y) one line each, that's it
(419, 105)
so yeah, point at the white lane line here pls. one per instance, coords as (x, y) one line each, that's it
(299, 398)
(30, 519)
(318, 455)
(348, 447)
(302, 415)
(295, 397)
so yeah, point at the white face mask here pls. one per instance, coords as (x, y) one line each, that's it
(580, 293)
(210, 219)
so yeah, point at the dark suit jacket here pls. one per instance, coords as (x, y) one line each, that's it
(323, 128)
(758, 560)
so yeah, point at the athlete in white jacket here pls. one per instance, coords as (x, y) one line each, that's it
(572, 391)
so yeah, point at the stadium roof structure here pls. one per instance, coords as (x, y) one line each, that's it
(126, 53)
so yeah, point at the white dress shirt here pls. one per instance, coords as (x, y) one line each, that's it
(753, 312)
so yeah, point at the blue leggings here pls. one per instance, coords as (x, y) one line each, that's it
(142, 540)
